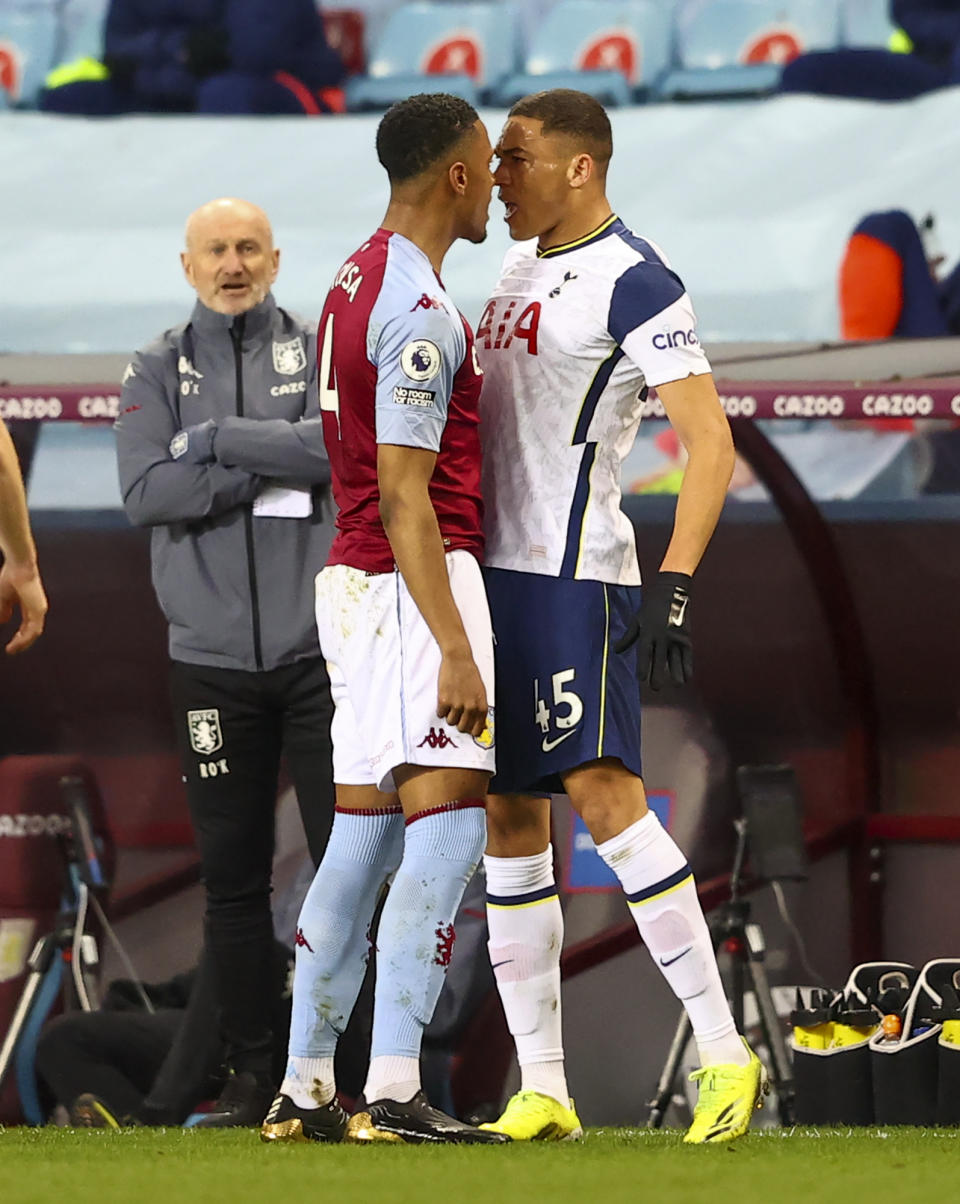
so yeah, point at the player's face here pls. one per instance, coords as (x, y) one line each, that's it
(477, 160)
(532, 177)
(231, 262)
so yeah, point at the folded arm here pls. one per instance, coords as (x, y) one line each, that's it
(155, 488)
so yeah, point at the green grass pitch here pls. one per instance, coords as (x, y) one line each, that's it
(173, 1166)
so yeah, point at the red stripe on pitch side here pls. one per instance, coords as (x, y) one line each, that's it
(300, 90)
(457, 804)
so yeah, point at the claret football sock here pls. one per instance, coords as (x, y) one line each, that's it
(525, 925)
(333, 945)
(663, 901)
(415, 939)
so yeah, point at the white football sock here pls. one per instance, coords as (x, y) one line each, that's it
(663, 900)
(525, 926)
(309, 1082)
(392, 1076)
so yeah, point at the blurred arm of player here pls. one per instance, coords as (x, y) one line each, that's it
(411, 525)
(695, 413)
(20, 583)
(157, 489)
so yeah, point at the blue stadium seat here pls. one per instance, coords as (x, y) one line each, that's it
(738, 47)
(604, 47)
(460, 48)
(81, 29)
(28, 41)
(867, 23)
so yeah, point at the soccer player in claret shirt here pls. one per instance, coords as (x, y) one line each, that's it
(404, 625)
(585, 316)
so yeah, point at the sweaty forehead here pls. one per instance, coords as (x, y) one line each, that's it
(526, 134)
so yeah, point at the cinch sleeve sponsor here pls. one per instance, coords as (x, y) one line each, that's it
(417, 356)
(652, 319)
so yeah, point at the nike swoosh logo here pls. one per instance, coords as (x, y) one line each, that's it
(675, 959)
(550, 745)
(496, 965)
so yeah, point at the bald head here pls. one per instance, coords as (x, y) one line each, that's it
(230, 258)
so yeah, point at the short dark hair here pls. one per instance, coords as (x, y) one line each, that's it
(417, 132)
(575, 114)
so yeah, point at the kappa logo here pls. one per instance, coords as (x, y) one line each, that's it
(206, 735)
(301, 941)
(567, 277)
(425, 302)
(420, 360)
(289, 358)
(437, 739)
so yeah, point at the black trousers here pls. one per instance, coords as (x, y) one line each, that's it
(116, 1055)
(233, 727)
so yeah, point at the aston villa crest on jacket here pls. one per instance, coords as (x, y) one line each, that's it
(289, 358)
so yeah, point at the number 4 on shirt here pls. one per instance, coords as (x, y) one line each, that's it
(329, 397)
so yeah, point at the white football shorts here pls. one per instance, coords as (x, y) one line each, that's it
(384, 663)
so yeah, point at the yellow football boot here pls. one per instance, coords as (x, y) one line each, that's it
(530, 1116)
(729, 1095)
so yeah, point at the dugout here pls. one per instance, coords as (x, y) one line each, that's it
(826, 638)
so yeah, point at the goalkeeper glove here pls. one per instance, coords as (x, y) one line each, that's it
(661, 627)
(194, 444)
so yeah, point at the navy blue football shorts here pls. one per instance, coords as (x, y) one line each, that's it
(564, 697)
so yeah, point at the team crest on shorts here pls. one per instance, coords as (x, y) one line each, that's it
(289, 358)
(206, 735)
(487, 737)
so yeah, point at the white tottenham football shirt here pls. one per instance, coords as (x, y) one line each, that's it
(568, 342)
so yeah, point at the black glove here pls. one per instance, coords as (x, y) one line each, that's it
(207, 50)
(662, 625)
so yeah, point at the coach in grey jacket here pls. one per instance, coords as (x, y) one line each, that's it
(220, 451)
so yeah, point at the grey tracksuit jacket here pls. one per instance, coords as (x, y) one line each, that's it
(236, 588)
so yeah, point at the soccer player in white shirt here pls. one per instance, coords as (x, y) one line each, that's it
(586, 315)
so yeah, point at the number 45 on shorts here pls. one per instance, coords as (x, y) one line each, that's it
(565, 712)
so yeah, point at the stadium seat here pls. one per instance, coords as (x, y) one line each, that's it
(81, 30)
(470, 46)
(344, 28)
(738, 47)
(867, 23)
(603, 47)
(28, 45)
